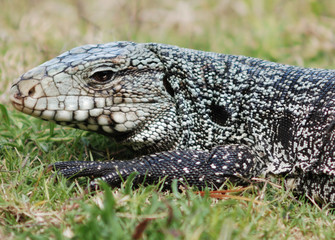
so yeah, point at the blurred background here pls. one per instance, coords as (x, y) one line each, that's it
(299, 32)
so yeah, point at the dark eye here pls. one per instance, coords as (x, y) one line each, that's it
(102, 76)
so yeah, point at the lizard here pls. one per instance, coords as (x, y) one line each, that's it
(199, 117)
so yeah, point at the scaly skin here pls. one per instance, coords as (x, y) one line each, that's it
(202, 117)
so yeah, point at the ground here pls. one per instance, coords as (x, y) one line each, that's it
(35, 206)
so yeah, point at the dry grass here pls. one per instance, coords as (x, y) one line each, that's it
(31, 205)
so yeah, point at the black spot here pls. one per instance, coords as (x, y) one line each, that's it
(219, 114)
(284, 130)
(246, 90)
(167, 86)
(330, 127)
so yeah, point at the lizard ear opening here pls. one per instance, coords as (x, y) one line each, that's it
(219, 114)
(167, 86)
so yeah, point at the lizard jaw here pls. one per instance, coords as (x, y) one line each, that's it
(104, 115)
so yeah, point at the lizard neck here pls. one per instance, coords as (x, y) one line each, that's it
(209, 91)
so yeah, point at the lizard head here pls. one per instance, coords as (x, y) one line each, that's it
(118, 89)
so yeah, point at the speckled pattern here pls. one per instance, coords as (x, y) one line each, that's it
(200, 117)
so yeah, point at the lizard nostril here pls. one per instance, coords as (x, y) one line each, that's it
(32, 91)
(30, 88)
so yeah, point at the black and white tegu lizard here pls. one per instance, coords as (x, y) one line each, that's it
(199, 117)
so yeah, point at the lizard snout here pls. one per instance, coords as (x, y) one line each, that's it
(25, 91)
(15, 97)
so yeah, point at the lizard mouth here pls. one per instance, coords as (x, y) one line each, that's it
(83, 112)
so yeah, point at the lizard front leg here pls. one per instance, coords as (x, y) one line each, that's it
(197, 168)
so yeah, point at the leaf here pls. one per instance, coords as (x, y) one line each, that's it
(129, 183)
(140, 229)
(52, 128)
(4, 114)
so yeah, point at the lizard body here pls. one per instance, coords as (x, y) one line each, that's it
(196, 116)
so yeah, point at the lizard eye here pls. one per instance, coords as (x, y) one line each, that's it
(102, 76)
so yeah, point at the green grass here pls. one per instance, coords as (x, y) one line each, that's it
(37, 205)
